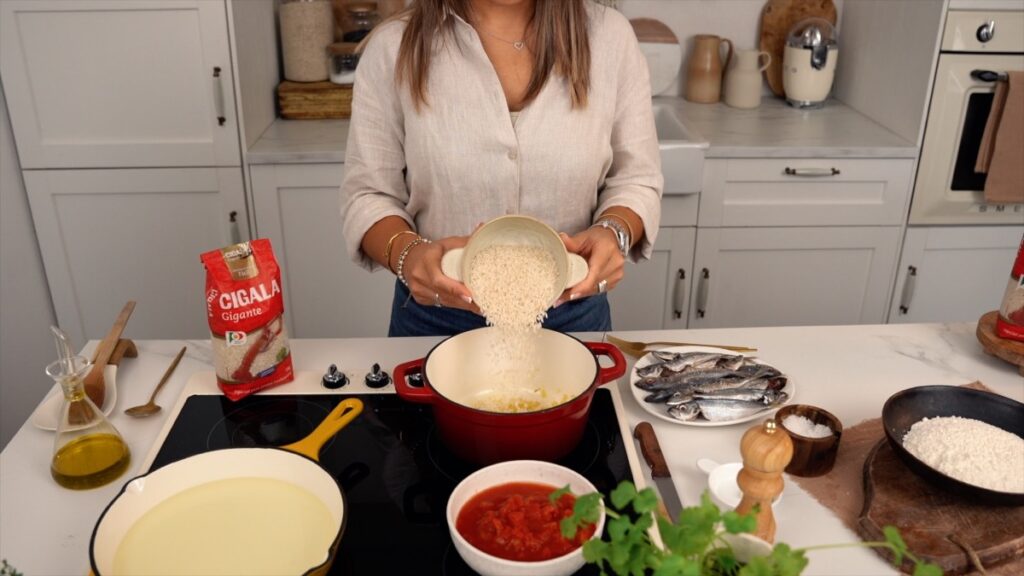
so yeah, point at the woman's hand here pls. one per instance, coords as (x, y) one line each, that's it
(428, 284)
(600, 249)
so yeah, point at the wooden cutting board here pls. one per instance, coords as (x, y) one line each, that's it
(314, 100)
(777, 17)
(661, 49)
(927, 517)
(1009, 350)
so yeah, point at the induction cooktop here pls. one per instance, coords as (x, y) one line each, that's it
(395, 471)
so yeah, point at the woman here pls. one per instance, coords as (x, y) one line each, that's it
(465, 110)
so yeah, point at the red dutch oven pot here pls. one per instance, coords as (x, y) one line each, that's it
(462, 369)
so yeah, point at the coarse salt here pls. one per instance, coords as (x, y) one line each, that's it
(806, 427)
(969, 450)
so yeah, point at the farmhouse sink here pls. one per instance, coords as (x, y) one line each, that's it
(682, 152)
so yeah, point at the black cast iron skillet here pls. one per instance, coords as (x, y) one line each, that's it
(903, 409)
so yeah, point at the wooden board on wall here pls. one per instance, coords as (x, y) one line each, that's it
(314, 100)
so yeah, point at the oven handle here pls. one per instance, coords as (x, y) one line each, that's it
(989, 76)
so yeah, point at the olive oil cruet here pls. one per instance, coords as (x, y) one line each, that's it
(88, 451)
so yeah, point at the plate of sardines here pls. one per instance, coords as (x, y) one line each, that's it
(705, 386)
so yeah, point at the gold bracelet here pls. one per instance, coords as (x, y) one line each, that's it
(632, 236)
(391, 243)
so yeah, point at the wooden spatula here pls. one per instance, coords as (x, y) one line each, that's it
(94, 385)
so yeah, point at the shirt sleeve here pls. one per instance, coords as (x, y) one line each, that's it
(374, 185)
(634, 179)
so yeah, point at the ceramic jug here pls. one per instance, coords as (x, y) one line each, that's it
(704, 69)
(742, 85)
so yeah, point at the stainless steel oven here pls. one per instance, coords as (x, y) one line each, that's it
(977, 49)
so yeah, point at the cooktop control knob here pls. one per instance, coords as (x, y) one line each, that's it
(334, 378)
(377, 378)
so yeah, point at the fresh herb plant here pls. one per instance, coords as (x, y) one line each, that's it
(694, 544)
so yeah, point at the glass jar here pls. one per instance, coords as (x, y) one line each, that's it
(343, 61)
(306, 30)
(364, 17)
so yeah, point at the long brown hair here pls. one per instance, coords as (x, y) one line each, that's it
(561, 43)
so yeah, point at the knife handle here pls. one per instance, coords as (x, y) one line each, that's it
(651, 450)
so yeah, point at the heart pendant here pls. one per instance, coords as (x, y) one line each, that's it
(519, 45)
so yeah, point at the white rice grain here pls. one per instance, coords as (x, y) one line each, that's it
(969, 450)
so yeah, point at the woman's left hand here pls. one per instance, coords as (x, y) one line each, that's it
(600, 249)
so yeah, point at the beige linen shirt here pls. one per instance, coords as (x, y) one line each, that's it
(461, 161)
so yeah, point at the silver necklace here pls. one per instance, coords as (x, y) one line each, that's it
(518, 44)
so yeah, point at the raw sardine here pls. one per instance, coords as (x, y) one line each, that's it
(722, 409)
(678, 380)
(658, 396)
(684, 412)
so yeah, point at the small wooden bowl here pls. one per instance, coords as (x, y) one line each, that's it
(811, 456)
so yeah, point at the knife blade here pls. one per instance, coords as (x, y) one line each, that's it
(651, 451)
(94, 385)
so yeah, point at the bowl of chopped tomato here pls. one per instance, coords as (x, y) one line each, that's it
(505, 522)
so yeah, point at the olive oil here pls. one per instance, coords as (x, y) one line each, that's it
(90, 461)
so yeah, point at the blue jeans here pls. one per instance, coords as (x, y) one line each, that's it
(585, 315)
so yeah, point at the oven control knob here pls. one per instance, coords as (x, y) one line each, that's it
(334, 378)
(986, 31)
(377, 378)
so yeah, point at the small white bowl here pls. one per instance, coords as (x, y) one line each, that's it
(722, 482)
(517, 471)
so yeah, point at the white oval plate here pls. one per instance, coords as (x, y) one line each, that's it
(661, 410)
(48, 412)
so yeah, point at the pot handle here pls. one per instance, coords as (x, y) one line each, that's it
(343, 413)
(617, 369)
(420, 395)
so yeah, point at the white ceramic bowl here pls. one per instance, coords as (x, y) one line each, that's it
(516, 230)
(517, 471)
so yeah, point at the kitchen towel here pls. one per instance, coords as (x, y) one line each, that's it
(842, 489)
(1001, 154)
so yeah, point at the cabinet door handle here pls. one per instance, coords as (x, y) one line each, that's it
(218, 96)
(986, 32)
(812, 172)
(233, 230)
(702, 292)
(679, 295)
(908, 289)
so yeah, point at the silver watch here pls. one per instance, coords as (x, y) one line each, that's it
(621, 234)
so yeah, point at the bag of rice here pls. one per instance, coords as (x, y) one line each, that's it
(246, 314)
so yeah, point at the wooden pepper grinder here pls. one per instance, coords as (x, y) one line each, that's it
(766, 452)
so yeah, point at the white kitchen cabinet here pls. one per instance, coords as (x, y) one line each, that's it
(805, 192)
(109, 236)
(655, 294)
(792, 276)
(297, 206)
(119, 83)
(953, 274)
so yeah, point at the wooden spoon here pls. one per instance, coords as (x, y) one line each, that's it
(151, 407)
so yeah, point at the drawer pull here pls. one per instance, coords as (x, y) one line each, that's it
(218, 96)
(986, 32)
(679, 295)
(702, 293)
(233, 230)
(908, 290)
(812, 172)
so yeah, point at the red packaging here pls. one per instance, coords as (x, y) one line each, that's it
(245, 310)
(1010, 323)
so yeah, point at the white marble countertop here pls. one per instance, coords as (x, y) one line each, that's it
(775, 130)
(848, 370)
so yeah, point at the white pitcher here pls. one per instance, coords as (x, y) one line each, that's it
(743, 79)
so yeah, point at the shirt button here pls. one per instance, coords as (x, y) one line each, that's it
(512, 155)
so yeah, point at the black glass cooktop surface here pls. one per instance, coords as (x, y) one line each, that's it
(396, 473)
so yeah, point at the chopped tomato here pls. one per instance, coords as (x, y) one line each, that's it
(517, 521)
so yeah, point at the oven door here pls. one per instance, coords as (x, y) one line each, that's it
(948, 190)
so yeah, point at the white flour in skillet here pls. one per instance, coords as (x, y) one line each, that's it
(970, 451)
(512, 286)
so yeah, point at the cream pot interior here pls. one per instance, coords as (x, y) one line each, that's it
(142, 494)
(468, 368)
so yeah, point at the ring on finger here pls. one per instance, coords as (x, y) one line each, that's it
(437, 300)
(602, 286)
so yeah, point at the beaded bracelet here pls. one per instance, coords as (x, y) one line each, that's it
(620, 218)
(391, 244)
(400, 267)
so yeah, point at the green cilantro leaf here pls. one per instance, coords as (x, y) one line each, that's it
(896, 543)
(623, 494)
(926, 569)
(736, 523)
(554, 496)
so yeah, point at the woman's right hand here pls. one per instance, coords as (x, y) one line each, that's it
(428, 284)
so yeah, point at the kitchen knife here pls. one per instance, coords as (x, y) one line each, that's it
(652, 454)
(94, 385)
